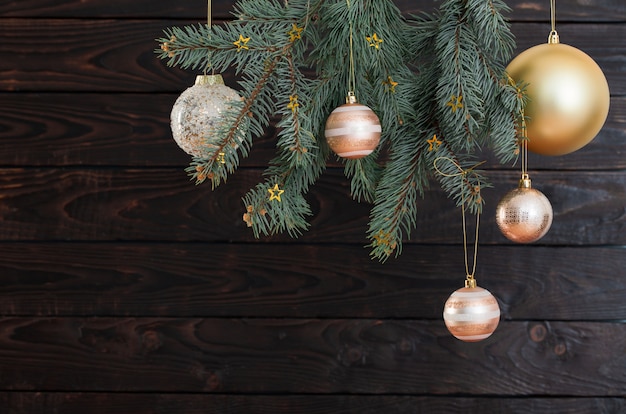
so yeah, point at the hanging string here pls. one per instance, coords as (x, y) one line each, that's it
(524, 146)
(352, 81)
(470, 281)
(351, 76)
(209, 23)
(553, 14)
(470, 275)
(554, 36)
(208, 13)
(308, 14)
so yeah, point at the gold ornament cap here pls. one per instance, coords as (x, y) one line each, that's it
(209, 80)
(553, 38)
(525, 182)
(470, 282)
(351, 98)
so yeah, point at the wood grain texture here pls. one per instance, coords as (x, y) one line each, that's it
(305, 281)
(116, 9)
(85, 55)
(118, 55)
(168, 403)
(126, 288)
(360, 356)
(102, 129)
(162, 205)
(522, 10)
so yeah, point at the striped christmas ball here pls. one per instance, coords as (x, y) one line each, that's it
(352, 130)
(471, 314)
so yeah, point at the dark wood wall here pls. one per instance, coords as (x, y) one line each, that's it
(124, 288)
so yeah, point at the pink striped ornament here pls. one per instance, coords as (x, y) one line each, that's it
(353, 130)
(471, 314)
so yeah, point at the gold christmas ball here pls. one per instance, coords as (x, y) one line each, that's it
(352, 130)
(471, 314)
(199, 112)
(524, 215)
(568, 97)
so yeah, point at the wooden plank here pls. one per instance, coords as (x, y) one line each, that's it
(133, 130)
(539, 10)
(310, 356)
(118, 55)
(149, 403)
(305, 281)
(88, 129)
(116, 9)
(161, 204)
(523, 10)
(85, 55)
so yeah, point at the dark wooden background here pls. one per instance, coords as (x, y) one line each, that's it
(124, 288)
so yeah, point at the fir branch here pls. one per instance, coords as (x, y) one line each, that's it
(269, 217)
(459, 177)
(394, 214)
(239, 131)
(272, 10)
(298, 162)
(469, 107)
(435, 119)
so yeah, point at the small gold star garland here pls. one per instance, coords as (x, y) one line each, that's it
(242, 43)
(295, 33)
(390, 84)
(455, 102)
(293, 103)
(275, 193)
(433, 143)
(374, 41)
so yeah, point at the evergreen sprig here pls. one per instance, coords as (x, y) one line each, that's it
(437, 83)
(463, 102)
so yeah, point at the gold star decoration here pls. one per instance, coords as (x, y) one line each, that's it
(433, 143)
(390, 84)
(374, 41)
(295, 32)
(275, 193)
(455, 102)
(293, 103)
(242, 43)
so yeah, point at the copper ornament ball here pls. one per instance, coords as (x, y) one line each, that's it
(471, 314)
(569, 97)
(352, 130)
(524, 215)
(199, 112)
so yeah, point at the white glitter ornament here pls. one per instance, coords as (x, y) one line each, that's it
(199, 112)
